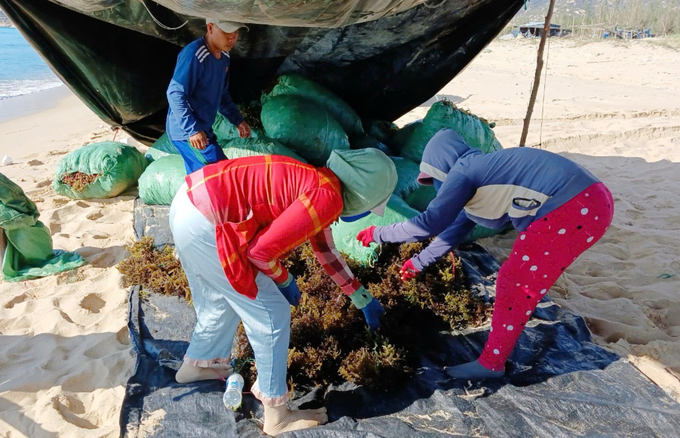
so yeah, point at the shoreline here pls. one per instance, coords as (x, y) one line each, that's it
(32, 103)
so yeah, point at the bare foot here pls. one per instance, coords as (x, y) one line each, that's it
(279, 419)
(190, 373)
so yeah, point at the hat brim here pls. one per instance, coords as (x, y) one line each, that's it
(232, 27)
(379, 209)
(425, 179)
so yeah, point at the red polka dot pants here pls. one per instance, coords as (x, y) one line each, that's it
(539, 256)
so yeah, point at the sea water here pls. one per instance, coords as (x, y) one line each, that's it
(22, 70)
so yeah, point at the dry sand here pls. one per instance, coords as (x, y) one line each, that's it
(65, 353)
(64, 350)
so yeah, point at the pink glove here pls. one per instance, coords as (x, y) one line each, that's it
(366, 236)
(408, 271)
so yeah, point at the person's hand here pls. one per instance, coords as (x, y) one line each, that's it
(244, 129)
(199, 140)
(290, 290)
(372, 313)
(408, 271)
(366, 236)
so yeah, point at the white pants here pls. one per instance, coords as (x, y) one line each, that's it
(219, 308)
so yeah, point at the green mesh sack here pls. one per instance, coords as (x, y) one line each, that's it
(416, 195)
(381, 130)
(336, 107)
(225, 131)
(345, 233)
(421, 197)
(480, 232)
(16, 210)
(370, 142)
(161, 180)
(161, 148)
(407, 174)
(304, 127)
(443, 114)
(400, 138)
(114, 168)
(28, 253)
(250, 147)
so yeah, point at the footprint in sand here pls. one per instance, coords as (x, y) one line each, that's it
(82, 204)
(16, 300)
(93, 303)
(95, 215)
(59, 202)
(55, 228)
(69, 407)
(44, 183)
(56, 359)
(99, 350)
(123, 336)
(35, 163)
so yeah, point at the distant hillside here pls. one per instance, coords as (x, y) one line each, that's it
(4, 21)
(661, 16)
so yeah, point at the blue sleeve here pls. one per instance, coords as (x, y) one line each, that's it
(181, 86)
(228, 107)
(455, 192)
(447, 240)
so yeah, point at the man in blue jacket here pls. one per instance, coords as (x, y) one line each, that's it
(198, 89)
(559, 208)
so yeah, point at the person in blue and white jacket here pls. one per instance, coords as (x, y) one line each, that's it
(559, 208)
(198, 89)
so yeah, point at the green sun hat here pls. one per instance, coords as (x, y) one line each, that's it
(368, 177)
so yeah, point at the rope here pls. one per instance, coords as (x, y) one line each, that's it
(545, 81)
(158, 22)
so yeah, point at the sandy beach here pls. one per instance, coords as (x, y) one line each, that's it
(613, 107)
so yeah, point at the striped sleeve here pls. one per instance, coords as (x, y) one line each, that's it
(308, 216)
(333, 262)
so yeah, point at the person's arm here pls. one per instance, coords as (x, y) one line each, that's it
(181, 86)
(333, 263)
(227, 106)
(447, 240)
(304, 218)
(336, 267)
(455, 192)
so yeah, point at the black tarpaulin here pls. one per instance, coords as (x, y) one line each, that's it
(119, 61)
(559, 384)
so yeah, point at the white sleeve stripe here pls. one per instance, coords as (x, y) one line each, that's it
(201, 50)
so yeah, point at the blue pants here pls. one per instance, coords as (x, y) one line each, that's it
(219, 308)
(195, 159)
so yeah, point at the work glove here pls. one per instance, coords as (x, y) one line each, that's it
(408, 271)
(366, 236)
(290, 290)
(371, 308)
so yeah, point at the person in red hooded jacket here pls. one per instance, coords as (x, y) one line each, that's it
(232, 223)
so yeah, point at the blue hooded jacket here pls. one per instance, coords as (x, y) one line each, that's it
(516, 185)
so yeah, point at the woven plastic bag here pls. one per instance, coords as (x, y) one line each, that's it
(161, 180)
(109, 168)
(303, 126)
(325, 98)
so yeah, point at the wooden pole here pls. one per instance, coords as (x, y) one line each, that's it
(537, 76)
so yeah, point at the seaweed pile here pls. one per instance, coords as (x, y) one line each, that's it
(78, 180)
(329, 340)
(155, 269)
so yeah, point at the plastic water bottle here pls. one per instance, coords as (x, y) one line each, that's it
(232, 396)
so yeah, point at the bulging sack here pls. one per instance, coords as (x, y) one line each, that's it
(303, 126)
(99, 170)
